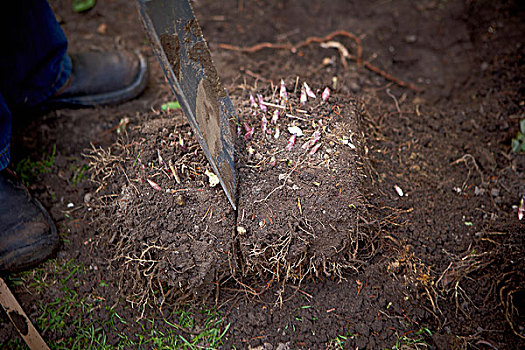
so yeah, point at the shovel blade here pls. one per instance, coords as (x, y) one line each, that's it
(185, 59)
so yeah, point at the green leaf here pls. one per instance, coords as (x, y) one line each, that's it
(170, 105)
(522, 126)
(515, 146)
(83, 5)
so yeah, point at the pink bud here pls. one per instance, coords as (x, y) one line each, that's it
(249, 132)
(253, 104)
(264, 124)
(315, 148)
(315, 137)
(303, 96)
(154, 185)
(282, 93)
(161, 160)
(261, 105)
(275, 116)
(290, 143)
(139, 162)
(326, 94)
(309, 91)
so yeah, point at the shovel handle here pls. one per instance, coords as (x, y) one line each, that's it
(19, 318)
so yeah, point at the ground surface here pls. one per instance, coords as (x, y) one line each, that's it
(442, 265)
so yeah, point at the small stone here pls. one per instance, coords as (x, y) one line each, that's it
(87, 197)
(478, 191)
(411, 38)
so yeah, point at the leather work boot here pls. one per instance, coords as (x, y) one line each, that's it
(102, 78)
(27, 234)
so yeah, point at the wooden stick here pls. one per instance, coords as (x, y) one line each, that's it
(19, 318)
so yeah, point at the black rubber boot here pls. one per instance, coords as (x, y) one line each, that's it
(27, 234)
(102, 78)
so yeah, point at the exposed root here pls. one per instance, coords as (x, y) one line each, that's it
(357, 58)
(465, 159)
(511, 285)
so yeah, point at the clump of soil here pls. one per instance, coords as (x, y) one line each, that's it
(163, 222)
(301, 209)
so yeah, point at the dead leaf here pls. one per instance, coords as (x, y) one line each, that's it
(102, 29)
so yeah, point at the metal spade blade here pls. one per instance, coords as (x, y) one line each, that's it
(184, 56)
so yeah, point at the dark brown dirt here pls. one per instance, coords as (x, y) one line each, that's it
(171, 46)
(448, 253)
(20, 322)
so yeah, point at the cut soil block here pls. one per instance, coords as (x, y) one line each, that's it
(300, 175)
(300, 203)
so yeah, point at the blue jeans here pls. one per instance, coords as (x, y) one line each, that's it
(33, 63)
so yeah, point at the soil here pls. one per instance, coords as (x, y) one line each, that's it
(423, 234)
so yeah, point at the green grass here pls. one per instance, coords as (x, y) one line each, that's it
(30, 170)
(414, 340)
(78, 172)
(340, 341)
(518, 143)
(73, 320)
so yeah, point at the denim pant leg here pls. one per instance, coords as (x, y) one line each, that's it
(5, 133)
(33, 64)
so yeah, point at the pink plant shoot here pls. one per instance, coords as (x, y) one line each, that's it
(326, 94)
(309, 91)
(315, 148)
(275, 116)
(154, 185)
(261, 105)
(161, 160)
(253, 104)
(264, 124)
(283, 95)
(291, 142)
(249, 132)
(181, 142)
(303, 96)
(315, 137)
